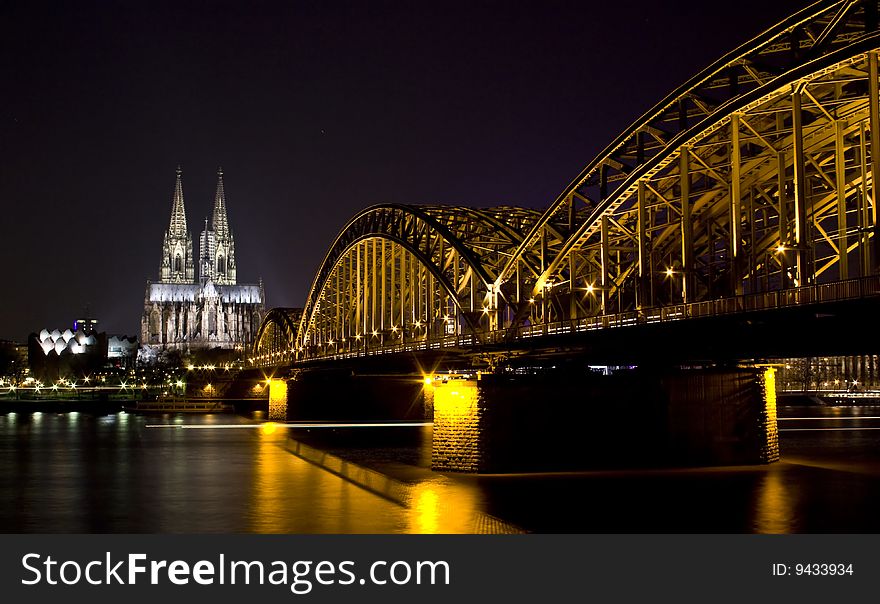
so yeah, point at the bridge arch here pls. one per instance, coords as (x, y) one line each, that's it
(276, 336)
(401, 275)
(730, 185)
(753, 181)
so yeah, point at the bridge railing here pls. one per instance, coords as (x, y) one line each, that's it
(812, 294)
(851, 289)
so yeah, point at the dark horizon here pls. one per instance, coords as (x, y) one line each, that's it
(315, 112)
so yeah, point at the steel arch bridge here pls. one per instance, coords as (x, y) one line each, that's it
(750, 186)
(276, 336)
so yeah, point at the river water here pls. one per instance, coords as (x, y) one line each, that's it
(123, 473)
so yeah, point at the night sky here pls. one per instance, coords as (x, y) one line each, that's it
(315, 110)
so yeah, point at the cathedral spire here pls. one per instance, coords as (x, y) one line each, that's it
(177, 261)
(177, 227)
(219, 221)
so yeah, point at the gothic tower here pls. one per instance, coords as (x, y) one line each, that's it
(177, 255)
(216, 244)
(215, 312)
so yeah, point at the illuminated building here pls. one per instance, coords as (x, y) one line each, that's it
(54, 354)
(214, 311)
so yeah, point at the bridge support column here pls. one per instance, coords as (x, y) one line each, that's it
(278, 399)
(631, 419)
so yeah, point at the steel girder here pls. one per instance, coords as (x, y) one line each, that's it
(685, 205)
(276, 336)
(755, 176)
(402, 274)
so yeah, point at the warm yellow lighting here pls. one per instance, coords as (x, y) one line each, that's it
(531, 300)
(457, 411)
(375, 333)
(277, 399)
(191, 367)
(208, 387)
(428, 380)
(772, 443)
(426, 509)
(780, 248)
(485, 310)
(268, 427)
(669, 272)
(590, 288)
(179, 384)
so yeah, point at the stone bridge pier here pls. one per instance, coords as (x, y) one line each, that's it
(494, 423)
(486, 423)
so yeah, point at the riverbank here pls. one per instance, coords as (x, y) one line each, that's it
(105, 405)
(827, 399)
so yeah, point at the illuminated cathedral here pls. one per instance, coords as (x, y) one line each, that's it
(213, 311)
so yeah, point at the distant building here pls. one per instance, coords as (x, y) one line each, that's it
(122, 350)
(87, 324)
(186, 314)
(54, 354)
(13, 360)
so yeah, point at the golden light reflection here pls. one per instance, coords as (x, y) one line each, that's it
(774, 510)
(425, 511)
(269, 428)
(268, 499)
(444, 507)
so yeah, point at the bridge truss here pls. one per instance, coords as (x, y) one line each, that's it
(752, 185)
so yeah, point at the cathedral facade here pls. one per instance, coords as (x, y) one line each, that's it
(186, 313)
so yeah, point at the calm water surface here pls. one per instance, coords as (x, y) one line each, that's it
(77, 472)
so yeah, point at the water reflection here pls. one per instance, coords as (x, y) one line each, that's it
(774, 509)
(425, 516)
(444, 506)
(80, 472)
(291, 495)
(267, 492)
